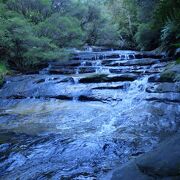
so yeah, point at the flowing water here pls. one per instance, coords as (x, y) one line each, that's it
(82, 119)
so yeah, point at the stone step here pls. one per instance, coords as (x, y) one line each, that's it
(116, 54)
(135, 62)
(140, 72)
(169, 97)
(90, 68)
(161, 79)
(65, 70)
(65, 63)
(101, 78)
(108, 62)
(164, 88)
(58, 87)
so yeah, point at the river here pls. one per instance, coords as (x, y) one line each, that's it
(82, 118)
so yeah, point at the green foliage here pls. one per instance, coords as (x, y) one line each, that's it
(124, 15)
(170, 33)
(3, 72)
(64, 31)
(147, 24)
(178, 61)
(35, 31)
(20, 44)
(165, 10)
(35, 11)
(108, 35)
(167, 19)
(146, 37)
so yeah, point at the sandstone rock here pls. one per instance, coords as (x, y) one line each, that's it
(162, 163)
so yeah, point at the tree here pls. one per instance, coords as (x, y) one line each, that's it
(64, 31)
(36, 11)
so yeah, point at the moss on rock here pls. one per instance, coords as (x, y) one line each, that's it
(172, 73)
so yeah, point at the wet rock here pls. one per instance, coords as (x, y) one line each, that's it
(102, 95)
(99, 78)
(164, 88)
(149, 55)
(60, 97)
(158, 78)
(71, 130)
(128, 172)
(164, 97)
(171, 73)
(110, 63)
(16, 97)
(112, 56)
(88, 98)
(86, 70)
(140, 62)
(111, 87)
(177, 53)
(139, 56)
(137, 62)
(165, 100)
(65, 80)
(70, 63)
(37, 86)
(94, 78)
(61, 71)
(140, 71)
(123, 77)
(40, 81)
(4, 147)
(163, 162)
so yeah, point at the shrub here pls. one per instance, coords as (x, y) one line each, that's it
(107, 35)
(64, 31)
(146, 37)
(170, 34)
(3, 72)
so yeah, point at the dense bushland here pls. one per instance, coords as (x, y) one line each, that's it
(147, 24)
(34, 31)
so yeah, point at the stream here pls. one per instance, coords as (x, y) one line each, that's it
(82, 118)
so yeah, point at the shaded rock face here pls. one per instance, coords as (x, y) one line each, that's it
(162, 163)
(170, 74)
(82, 118)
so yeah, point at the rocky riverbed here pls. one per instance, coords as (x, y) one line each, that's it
(83, 118)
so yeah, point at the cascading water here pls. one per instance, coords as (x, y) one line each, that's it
(84, 121)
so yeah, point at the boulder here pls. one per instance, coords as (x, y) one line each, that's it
(162, 163)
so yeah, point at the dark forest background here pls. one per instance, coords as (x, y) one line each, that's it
(32, 31)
